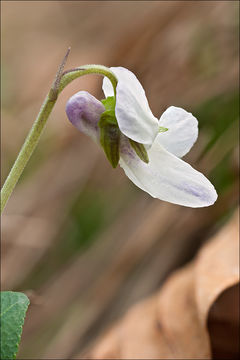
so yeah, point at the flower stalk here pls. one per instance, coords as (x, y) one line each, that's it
(61, 81)
(26, 150)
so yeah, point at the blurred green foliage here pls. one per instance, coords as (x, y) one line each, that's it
(219, 120)
(216, 116)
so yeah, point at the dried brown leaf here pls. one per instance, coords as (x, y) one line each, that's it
(173, 323)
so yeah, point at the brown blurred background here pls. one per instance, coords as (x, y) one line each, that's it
(77, 236)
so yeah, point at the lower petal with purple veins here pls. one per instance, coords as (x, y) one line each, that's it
(167, 177)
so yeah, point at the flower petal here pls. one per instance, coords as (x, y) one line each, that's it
(133, 114)
(84, 111)
(182, 131)
(167, 177)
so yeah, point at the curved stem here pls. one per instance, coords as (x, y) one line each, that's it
(39, 124)
(70, 75)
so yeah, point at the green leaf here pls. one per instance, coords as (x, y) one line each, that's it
(110, 137)
(13, 310)
(139, 150)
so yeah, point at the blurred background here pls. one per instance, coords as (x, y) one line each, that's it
(77, 236)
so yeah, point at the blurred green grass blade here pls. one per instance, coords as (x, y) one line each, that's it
(216, 116)
(13, 310)
(223, 175)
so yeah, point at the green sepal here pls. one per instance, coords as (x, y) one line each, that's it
(139, 150)
(109, 103)
(162, 129)
(110, 136)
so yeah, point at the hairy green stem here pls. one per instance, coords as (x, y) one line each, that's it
(39, 124)
(26, 151)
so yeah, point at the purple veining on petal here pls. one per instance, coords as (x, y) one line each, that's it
(84, 111)
(198, 191)
(126, 149)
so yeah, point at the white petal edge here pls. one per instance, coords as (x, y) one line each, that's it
(167, 177)
(182, 131)
(133, 113)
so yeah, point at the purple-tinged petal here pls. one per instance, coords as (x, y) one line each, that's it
(167, 177)
(84, 111)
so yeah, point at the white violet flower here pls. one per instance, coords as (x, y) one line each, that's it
(148, 149)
